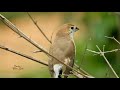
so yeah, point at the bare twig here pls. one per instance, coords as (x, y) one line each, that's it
(81, 76)
(23, 55)
(38, 27)
(83, 55)
(93, 51)
(16, 30)
(82, 70)
(76, 65)
(107, 62)
(77, 75)
(113, 39)
(114, 50)
(101, 53)
(110, 66)
(33, 59)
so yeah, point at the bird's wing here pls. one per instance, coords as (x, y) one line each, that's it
(64, 50)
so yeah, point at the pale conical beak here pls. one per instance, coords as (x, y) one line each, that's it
(76, 29)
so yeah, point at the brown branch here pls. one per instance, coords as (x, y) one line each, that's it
(82, 70)
(77, 75)
(16, 30)
(81, 76)
(23, 55)
(38, 27)
(33, 59)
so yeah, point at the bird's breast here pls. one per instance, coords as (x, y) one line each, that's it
(63, 47)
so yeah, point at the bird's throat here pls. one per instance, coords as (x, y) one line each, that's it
(71, 35)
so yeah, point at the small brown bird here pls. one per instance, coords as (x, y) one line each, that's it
(63, 48)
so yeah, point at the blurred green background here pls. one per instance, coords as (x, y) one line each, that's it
(94, 26)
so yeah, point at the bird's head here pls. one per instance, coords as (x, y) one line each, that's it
(72, 28)
(67, 29)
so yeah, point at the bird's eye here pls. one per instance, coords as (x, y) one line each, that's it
(72, 27)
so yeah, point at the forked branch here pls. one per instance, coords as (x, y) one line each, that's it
(35, 22)
(113, 39)
(33, 59)
(23, 55)
(101, 53)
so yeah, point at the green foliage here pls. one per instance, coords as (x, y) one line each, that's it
(99, 24)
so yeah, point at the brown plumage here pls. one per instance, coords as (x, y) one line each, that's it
(62, 48)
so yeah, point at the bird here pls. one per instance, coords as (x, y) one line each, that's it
(63, 48)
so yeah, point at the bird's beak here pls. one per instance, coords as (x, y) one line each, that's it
(76, 29)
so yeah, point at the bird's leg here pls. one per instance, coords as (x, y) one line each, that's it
(60, 73)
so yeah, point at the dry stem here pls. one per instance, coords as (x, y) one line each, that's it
(113, 39)
(23, 55)
(101, 53)
(38, 27)
(16, 30)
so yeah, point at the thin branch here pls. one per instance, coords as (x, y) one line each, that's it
(38, 27)
(77, 75)
(81, 76)
(113, 39)
(33, 59)
(83, 55)
(16, 30)
(101, 53)
(110, 66)
(76, 65)
(82, 70)
(114, 50)
(23, 55)
(93, 51)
